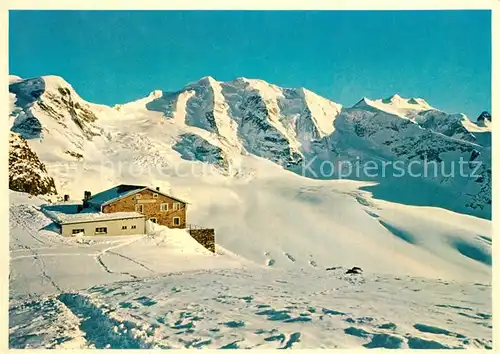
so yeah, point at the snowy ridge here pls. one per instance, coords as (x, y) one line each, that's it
(53, 114)
(323, 112)
(397, 105)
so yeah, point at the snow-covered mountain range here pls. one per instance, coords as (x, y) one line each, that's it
(222, 123)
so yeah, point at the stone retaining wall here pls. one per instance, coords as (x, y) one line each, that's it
(205, 237)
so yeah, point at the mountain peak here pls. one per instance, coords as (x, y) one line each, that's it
(204, 81)
(207, 79)
(14, 78)
(484, 119)
(155, 94)
(484, 116)
(395, 104)
(365, 101)
(418, 101)
(393, 99)
(54, 81)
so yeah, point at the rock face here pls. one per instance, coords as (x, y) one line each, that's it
(193, 147)
(26, 172)
(484, 116)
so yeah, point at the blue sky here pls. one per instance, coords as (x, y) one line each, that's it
(117, 56)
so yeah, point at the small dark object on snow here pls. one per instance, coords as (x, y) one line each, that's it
(354, 270)
(332, 268)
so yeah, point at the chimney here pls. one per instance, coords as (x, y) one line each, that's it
(158, 189)
(86, 197)
(66, 197)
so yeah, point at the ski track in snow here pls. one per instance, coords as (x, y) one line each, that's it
(132, 260)
(19, 221)
(100, 255)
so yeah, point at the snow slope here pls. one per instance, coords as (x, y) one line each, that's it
(164, 290)
(220, 123)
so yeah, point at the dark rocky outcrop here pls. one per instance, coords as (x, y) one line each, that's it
(354, 270)
(26, 172)
(192, 147)
(484, 116)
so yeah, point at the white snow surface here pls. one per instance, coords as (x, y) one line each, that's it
(267, 285)
(426, 279)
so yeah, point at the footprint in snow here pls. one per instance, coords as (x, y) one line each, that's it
(234, 324)
(372, 214)
(357, 332)
(436, 330)
(232, 345)
(454, 307)
(384, 340)
(280, 338)
(377, 340)
(127, 305)
(469, 316)
(247, 299)
(289, 256)
(390, 325)
(485, 239)
(419, 343)
(263, 331)
(294, 338)
(260, 306)
(200, 344)
(146, 301)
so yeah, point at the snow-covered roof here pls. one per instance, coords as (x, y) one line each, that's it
(89, 215)
(121, 191)
(115, 193)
